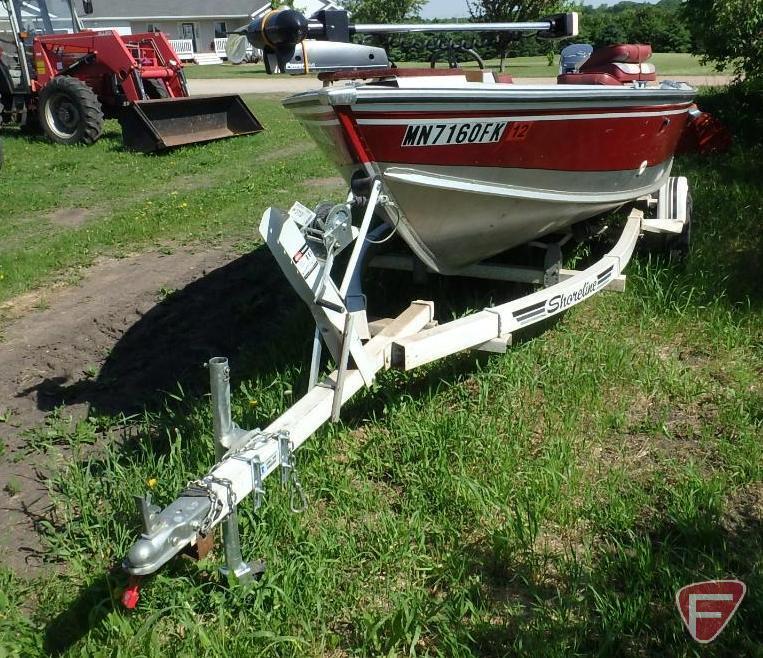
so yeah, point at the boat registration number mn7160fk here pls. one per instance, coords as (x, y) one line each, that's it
(447, 133)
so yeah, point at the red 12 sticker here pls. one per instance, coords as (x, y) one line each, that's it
(517, 131)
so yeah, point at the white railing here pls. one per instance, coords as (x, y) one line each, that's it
(220, 46)
(183, 48)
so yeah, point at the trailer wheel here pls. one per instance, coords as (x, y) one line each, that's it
(676, 247)
(70, 112)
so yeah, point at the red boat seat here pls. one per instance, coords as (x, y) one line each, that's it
(614, 65)
(621, 52)
(587, 79)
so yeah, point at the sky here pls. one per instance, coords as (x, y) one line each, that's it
(454, 8)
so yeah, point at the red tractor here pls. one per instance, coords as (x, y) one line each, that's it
(60, 78)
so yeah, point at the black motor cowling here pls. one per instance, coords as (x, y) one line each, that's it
(278, 30)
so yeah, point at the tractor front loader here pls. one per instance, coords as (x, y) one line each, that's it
(57, 77)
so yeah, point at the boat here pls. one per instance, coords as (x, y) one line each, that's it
(476, 167)
(473, 163)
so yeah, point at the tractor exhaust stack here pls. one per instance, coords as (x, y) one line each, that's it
(157, 125)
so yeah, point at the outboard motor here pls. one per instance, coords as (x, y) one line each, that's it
(293, 45)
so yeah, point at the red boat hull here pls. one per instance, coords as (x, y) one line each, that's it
(477, 171)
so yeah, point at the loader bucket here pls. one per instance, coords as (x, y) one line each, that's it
(155, 125)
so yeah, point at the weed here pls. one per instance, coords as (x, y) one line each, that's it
(12, 487)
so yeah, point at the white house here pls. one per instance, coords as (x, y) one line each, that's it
(307, 7)
(194, 26)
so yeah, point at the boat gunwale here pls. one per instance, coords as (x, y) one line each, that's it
(509, 94)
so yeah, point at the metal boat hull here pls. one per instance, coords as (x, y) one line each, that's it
(477, 170)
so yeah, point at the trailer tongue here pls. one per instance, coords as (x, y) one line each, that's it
(155, 125)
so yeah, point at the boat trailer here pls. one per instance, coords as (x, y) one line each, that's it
(305, 244)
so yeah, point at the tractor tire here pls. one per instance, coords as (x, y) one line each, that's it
(155, 89)
(69, 112)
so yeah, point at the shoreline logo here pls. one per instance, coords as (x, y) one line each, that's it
(706, 608)
(561, 302)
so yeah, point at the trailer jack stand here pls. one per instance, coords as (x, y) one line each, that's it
(225, 433)
(244, 572)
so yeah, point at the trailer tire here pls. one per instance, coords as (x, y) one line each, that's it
(676, 247)
(69, 112)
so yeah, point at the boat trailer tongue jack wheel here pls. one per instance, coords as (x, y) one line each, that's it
(305, 244)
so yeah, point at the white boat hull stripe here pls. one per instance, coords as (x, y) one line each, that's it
(538, 117)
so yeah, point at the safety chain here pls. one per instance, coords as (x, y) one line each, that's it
(297, 500)
(202, 486)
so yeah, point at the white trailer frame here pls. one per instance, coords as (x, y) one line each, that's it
(304, 246)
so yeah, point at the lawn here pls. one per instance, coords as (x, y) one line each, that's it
(547, 502)
(521, 67)
(129, 202)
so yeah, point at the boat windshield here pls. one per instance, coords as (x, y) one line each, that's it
(45, 16)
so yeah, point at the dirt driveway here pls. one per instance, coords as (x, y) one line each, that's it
(132, 326)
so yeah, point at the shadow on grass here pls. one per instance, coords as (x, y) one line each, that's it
(34, 135)
(88, 610)
(622, 603)
(244, 305)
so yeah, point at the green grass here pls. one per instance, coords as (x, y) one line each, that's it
(548, 502)
(521, 67)
(205, 193)
(212, 71)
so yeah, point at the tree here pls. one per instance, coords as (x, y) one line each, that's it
(729, 33)
(383, 11)
(509, 11)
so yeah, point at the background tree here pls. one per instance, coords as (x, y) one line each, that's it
(729, 33)
(383, 11)
(509, 11)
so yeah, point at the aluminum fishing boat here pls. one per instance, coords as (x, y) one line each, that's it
(477, 167)
(472, 163)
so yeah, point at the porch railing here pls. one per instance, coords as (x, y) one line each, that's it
(183, 48)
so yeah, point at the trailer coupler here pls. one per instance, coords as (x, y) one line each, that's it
(168, 532)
